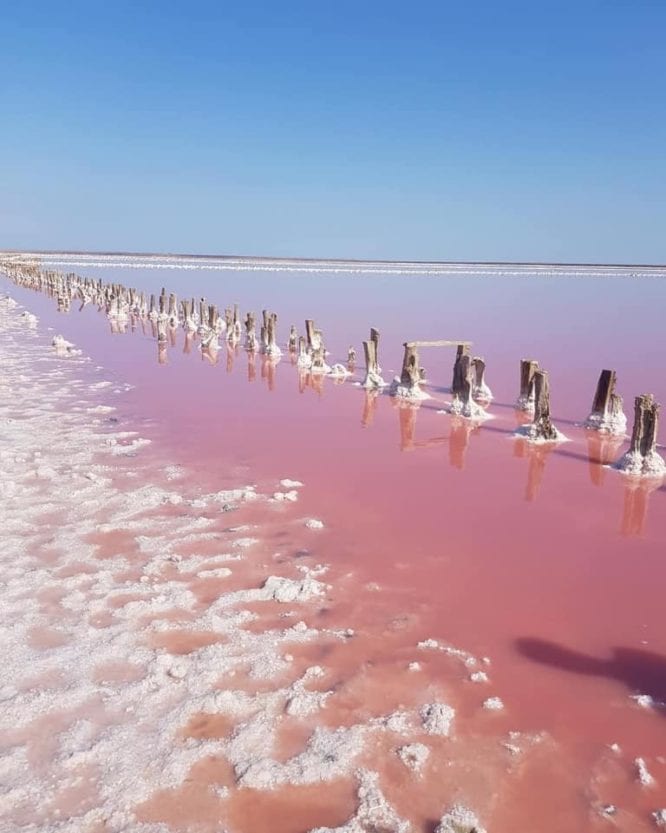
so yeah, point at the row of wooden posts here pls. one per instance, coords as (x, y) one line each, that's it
(469, 390)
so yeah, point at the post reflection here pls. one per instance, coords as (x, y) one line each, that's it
(602, 450)
(635, 507)
(369, 407)
(461, 431)
(537, 455)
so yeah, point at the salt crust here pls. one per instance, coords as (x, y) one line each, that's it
(459, 819)
(635, 464)
(659, 817)
(469, 410)
(643, 773)
(374, 814)
(615, 425)
(414, 394)
(493, 704)
(414, 756)
(530, 433)
(55, 580)
(437, 718)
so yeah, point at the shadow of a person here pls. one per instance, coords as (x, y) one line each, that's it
(642, 672)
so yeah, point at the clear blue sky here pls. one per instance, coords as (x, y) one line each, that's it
(425, 130)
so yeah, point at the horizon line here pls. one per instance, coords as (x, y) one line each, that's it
(332, 260)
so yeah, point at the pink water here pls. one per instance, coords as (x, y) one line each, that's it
(540, 558)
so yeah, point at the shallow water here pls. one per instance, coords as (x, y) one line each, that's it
(542, 559)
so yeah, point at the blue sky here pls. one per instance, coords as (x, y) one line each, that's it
(422, 130)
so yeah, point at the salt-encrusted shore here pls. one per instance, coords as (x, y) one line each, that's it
(132, 611)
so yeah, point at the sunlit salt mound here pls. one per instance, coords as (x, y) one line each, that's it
(642, 459)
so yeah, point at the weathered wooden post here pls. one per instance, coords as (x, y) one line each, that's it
(351, 358)
(461, 351)
(528, 369)
(373, 372)
(407, 385)
(607, 414)
(161, 330)
(542, 427)
(250, 332)
(642, 459)
(464, 377)
(480, 390)
(269, 335)
(293, 338)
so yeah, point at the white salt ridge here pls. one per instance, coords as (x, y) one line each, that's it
(374, 814)
(645, 777)
(459, 819)
(433, 644)
(286, 483)
(30, 319)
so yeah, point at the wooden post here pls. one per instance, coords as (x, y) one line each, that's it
(250, 332)
(542, 426)
(310, 333)
(607, 414)
(528, 369)
(409, 375)
(293, 338)
(458, 376)
(351, 357)
(212, 317)
(480, 390)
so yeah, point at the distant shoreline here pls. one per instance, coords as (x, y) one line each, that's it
(315, 261)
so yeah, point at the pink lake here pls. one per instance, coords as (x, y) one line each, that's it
(543, 559)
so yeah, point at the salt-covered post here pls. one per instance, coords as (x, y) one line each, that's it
(542, 427)
(410, 375)
(351, 357)
(528, 369)
(293, 338)
(250, 332)
(480, 390)
(642, 459)
(373, 378)
(457, 383)
(607, 414)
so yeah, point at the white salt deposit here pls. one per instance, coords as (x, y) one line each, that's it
(414, 756)
(459, 819)
(644, 775)
(437, 718)
(615, 424)
(659, 817)
(493, 704)
(63, 347)
(287, 483)
(412, 394)
(638, 465)
(313, 523)
(469, 410)
(374, 813)
(531, 434)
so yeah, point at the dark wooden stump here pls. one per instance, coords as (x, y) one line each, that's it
(542, 426)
